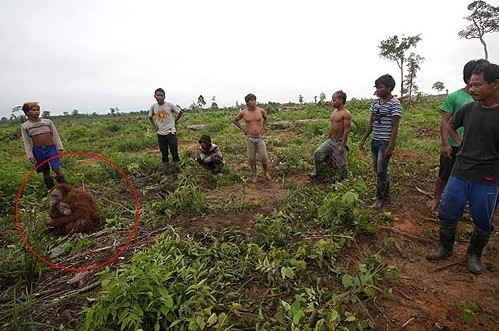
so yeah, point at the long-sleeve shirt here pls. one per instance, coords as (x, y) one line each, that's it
(214, 151)
(30, 129)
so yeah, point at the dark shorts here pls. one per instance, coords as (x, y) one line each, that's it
(43, 153)
(446, 165)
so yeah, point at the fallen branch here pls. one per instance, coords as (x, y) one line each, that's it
(382, 311)
(409, 321)
(446, 266)
(395, 243)
(119, 204)
(424, 192)
(81, 290)
(410, 299)
(405, 234)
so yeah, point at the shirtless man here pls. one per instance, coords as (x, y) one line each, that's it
(334, 150)
(255, 119)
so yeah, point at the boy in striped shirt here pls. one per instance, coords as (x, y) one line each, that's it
(384, 124)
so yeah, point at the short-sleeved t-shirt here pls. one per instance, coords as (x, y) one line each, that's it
(477, 159)
(164, 117)
(382, 115)
(451, 104)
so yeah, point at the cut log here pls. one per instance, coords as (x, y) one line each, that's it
(289, 124)
(196, 127)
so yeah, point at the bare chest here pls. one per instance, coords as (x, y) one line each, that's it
(252, 116)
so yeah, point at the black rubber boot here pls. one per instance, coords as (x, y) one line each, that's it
(479, 240)
(49, 182)
(176, 167)
(166, 168)
(61, 179)
(446, 242)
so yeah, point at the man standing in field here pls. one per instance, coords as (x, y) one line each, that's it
(255, 119)
(450, 146)
(335, 147)
(384, 123)
(161, 117)
(475, 176)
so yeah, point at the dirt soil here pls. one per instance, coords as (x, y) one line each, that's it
(427, 296)
(432, 295)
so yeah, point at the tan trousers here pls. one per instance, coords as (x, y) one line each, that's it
(256, 147)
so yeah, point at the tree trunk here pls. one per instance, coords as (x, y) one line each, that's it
(410, 87)
(484, 48)
(402, 77)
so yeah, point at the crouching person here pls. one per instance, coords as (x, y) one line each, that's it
(210, 156)
(334, 151)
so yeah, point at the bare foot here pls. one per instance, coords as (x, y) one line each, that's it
(432, 204)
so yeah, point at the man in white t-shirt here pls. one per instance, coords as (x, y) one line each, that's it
(163, 116)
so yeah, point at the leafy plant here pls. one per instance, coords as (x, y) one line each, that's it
(186, 198)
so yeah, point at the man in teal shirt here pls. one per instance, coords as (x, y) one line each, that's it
(451, 104)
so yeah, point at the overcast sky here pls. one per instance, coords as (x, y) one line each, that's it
(95, 54)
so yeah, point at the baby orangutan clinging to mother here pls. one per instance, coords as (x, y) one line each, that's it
(72, 210)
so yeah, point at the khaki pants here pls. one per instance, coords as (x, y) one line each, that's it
(256, 147)
(325, 150)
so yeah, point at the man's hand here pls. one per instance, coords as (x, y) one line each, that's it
(446, 150)
(341, 150)
(388, 151)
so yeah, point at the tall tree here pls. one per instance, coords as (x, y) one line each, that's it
(201, 101)
(322, 97)
(413, 66)
(394, 49)
(484, 19)
(45, 114)
(300, 99)
(16, 109)
(439, 86)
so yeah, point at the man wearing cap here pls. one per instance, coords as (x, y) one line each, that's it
(210, 156)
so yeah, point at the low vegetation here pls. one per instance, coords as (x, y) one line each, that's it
(293, 264)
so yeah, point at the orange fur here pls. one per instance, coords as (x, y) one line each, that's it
(84, 216)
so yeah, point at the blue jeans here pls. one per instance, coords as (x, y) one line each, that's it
(380, 163)
(483, 200)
